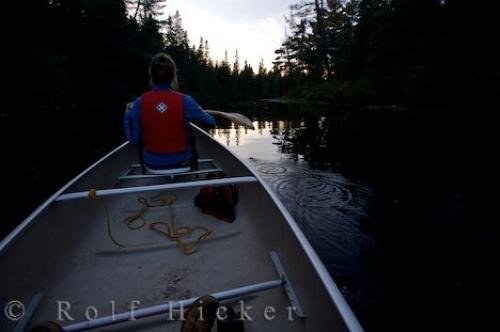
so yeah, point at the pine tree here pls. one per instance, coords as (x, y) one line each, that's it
(236, 65)
(207, 51)
(176, 36)
(144, 9)
(200, 52)
(321, 36)
(262, 68)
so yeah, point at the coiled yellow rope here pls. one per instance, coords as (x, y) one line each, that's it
(138, 221)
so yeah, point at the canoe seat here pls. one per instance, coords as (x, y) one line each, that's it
(168, 171)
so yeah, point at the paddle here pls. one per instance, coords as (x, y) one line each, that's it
(236, 118)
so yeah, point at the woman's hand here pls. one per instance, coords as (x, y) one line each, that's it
(128, 107)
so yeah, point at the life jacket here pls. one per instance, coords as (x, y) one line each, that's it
(163, 123)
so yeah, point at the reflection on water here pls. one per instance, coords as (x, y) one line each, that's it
(330, 208)
(392, 200)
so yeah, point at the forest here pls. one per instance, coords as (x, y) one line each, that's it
(381, 52)
(391, 52)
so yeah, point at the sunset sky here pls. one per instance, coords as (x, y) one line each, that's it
(256, 28)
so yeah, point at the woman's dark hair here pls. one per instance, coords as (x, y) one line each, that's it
(162, 69)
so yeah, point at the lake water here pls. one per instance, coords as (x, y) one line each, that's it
(332, 209)
(329, 207)
(388, 199)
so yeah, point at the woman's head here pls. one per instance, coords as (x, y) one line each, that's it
(162, 69)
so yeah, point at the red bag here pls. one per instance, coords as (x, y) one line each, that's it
(219, 202)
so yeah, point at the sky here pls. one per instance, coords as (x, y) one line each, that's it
(254, 27)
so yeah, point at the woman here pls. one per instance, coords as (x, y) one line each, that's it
(158, 121)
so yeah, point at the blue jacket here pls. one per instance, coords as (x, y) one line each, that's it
(133, 131)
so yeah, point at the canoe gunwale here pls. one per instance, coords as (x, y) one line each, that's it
(17, 232)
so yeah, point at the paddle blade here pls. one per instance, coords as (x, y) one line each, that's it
(236, 118)
(241, 120)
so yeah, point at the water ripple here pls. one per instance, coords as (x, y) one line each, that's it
(328, 207)
(312, 192)
(264, 167)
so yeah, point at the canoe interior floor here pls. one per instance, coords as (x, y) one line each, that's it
(89, 270)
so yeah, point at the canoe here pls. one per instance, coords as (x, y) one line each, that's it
(62, 263)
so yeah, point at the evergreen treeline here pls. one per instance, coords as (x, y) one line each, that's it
(215, 83)
(411, 52)
(70, 51)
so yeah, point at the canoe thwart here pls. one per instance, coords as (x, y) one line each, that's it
(170, 306)
(130, 174)
(199, 161)
(169, 171)
(159, 187)
(152, 176)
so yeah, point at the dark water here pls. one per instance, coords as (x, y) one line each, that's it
(332, 208)
(385, 198)
(329, 206)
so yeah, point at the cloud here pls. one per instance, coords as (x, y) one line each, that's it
(254, 36)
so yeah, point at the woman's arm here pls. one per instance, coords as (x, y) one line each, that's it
(132, 122)
(194, 113)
